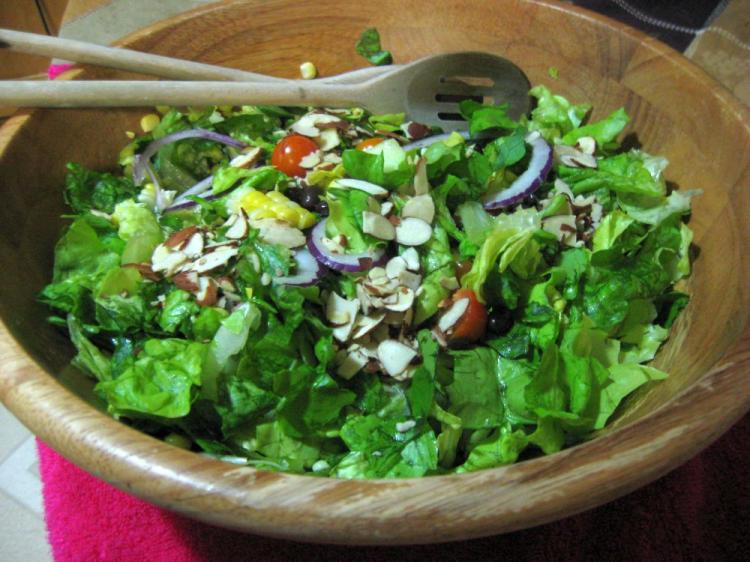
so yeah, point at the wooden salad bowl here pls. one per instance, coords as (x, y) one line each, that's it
(676, 110)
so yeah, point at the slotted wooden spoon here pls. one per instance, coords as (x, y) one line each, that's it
(427, 90)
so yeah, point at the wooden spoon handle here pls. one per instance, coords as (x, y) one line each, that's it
(123, 59)
(124, 93)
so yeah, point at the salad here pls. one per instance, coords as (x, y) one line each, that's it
(332, 292)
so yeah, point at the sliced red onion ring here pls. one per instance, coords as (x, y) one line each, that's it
(198, 189)
(308, 271)
(348, 263)
(142, 160)
(189, 204)
(529, 181)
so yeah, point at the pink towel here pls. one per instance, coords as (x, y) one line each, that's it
(700, 511)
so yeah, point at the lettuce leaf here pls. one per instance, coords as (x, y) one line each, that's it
(162, 382)
(86, 189)
(368, 46)
(554, 116)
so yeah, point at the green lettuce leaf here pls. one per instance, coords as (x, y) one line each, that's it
(482, 117)
(86, 190)
(554, 116)
(604, 131)
(162, 382)
(368, 46)
(475, 393)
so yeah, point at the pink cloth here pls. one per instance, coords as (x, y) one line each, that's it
(701, 511)
(56, 70)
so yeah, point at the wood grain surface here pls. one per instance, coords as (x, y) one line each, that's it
(677, 111)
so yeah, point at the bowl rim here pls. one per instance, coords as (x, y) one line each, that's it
(369, 511)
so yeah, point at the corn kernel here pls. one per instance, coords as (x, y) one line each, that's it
(308, 70)
(162, 109)
(130, 134)
(149, 122)
(276, 205)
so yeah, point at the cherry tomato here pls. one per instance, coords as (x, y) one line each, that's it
(471, 326)
(289, 152)
(368, 143)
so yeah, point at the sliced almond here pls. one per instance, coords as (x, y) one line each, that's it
(395, 356)
(247, 159)
(311, 160)
(166, 261)
(273, 231)
(377, 273)
(328, 139)
(420, 207)
(410, 280)
(562, 226)
(370, 188)
(344, 313)
(378, 226)
(307, 125)
(193, 248)
(404, 302)
(364, 298)
(187, 281)
(421, 184)
(238, 230)
(390, 299)
(333, 245)
(413, 232)
(587, 145)
(452, 315)
(332, 158)
(207, 292)
(412, 259)
(179, 237)
(571, 156)
(395, 266)
(367, 324)
(386, 208)
(213, 260)
(338, 310)
(350, 363)
(579, 160)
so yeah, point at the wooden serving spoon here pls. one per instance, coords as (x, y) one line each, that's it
(147, 63)
(428, 90)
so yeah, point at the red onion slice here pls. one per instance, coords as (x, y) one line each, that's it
(348, 263)
(308, 271)
(186, 204)
(142, 160)
(198, 189)
(529, 181)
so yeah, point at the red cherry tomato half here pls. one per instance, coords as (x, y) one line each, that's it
(368, 143)
(289, 152)
(471, 326)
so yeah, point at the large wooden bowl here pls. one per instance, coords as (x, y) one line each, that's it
(677, 111)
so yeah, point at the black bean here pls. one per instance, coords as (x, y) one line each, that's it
(322, 209)
(294, 194)
(499, 320)
(310, 197)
